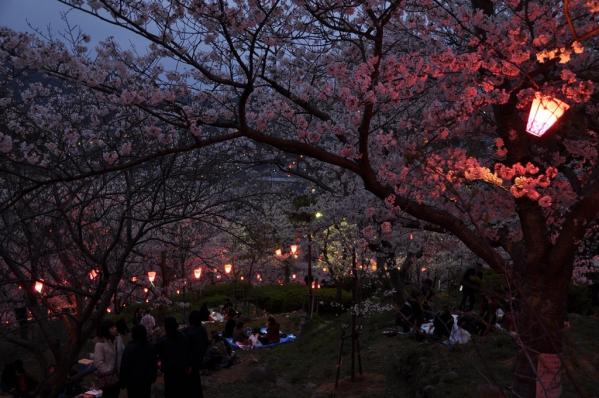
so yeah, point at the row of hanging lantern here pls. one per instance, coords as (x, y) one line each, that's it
(293, 251)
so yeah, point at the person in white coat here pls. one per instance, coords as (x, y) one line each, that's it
(105, 360)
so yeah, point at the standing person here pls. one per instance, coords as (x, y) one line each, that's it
(205, 313)
(149, 323)
(229, 324)
(137, 316)
(105, 360)
(198, 345)
(121, 340)
(470, 286)
(175, 360)
(138, 367)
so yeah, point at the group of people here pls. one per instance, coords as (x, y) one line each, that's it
(178, 354)
(418, 309)
(245, 337)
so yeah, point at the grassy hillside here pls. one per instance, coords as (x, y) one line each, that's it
(397, 366)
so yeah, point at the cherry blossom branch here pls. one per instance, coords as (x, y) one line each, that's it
(587, 35)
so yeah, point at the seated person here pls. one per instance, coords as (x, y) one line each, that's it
(255, 338)
(218, 354)
(443, 324)
(472, 323)
(273, 331)
(239, 335)
(410, 315)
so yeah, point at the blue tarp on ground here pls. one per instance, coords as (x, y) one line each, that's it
(287, 339)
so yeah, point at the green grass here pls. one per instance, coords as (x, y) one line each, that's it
(410, 368)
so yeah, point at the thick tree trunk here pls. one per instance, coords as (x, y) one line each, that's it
(540, 321)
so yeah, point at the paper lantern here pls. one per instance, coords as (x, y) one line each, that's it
(151, 276)
(228, 268)
(373, 265)
(92, 274)
(293, 248)
(278, 252)
(197, 273)
(39, 286)
(133, 279)
(544, 112)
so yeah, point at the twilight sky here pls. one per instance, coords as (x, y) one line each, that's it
(15, 14)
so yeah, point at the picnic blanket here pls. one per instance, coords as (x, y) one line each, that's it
(288, 338)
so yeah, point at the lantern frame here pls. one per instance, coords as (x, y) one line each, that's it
(545, 111)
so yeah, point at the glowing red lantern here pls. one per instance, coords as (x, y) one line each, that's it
(293, 249)
(151, 276)
(39, 286)
(197, 273)
(544, 112)
(228, 268)
(278, 252)
(92, 274)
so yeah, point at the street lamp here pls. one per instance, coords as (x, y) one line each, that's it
(544, 112)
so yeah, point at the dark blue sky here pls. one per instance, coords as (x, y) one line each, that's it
(43, 13)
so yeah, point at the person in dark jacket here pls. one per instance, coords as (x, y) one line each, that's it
(175, 359)
(443, 323)
(273, 331)
(139, 365)
(230, 324)
(198, 345)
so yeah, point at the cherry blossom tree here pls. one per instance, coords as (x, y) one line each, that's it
(424, 101)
